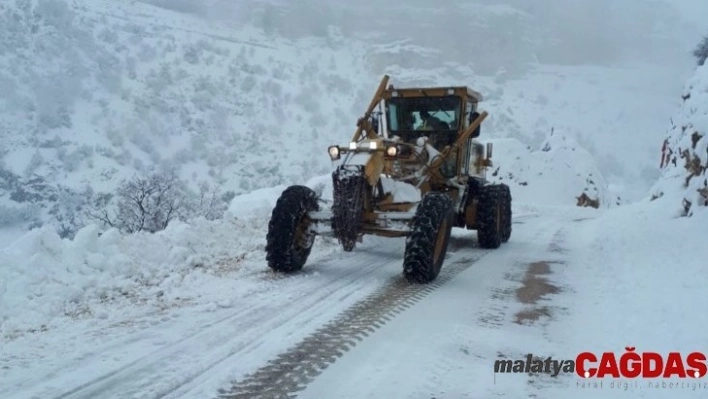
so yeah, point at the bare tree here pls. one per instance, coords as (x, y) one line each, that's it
(211, 203)
(145, 203)
(150, 203)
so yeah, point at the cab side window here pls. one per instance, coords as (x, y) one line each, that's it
(469, 109)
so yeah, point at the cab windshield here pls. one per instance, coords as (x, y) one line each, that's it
(423, 113)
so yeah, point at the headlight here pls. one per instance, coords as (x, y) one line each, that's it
(392, 151)
(352, 146)
(334, 152)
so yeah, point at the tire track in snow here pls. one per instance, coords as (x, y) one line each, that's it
(292, 370)
(137, 377)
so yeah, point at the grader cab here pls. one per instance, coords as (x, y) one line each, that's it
(412, 169)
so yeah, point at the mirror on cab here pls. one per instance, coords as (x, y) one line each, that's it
(473, 117)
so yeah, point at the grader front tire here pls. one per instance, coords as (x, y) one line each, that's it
(289, 241)
(427, 244)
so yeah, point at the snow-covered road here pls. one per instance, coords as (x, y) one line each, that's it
(445, 346)
(194, 353)
(186, 351)
(348, 326)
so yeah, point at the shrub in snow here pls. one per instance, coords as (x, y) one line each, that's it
(54, 142)
(685, 149)
(8, 180)
(67, 210)
(124, 157)
(210, 203)
(73, 159)
(108, 35)
(701, 52)
(33, 190)
(147, 203)
(34, 163)
(191, 54)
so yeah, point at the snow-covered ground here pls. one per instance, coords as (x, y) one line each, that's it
(570, 281)
(184, 318)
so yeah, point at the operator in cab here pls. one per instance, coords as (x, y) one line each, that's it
(430, 122)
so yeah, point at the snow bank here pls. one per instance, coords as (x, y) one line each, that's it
(683, 182)
(256, 204)
(554, 175)
(259, 204)
(323, 186)
(45, 277)
(636, 275)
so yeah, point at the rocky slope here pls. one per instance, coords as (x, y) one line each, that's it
(685, 150)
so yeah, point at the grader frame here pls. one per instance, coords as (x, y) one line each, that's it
(445, 169)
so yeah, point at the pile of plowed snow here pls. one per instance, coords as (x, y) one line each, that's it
(556, 174)
(683, 182)
(46, 278)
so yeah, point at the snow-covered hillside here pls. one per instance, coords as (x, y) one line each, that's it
(248, 96)
(684, 181)
(94, 92)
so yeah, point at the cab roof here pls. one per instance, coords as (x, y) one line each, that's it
(442, 91)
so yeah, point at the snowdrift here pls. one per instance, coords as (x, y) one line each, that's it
(46, 278)
(555, 175)
(683, 180)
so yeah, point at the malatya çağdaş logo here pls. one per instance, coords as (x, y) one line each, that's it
(629, 364)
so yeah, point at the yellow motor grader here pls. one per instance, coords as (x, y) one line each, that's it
(412, 169)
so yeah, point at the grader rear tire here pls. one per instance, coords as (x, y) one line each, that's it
(490, 216)
(426, 247)
(506, 210)
(289, 241)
